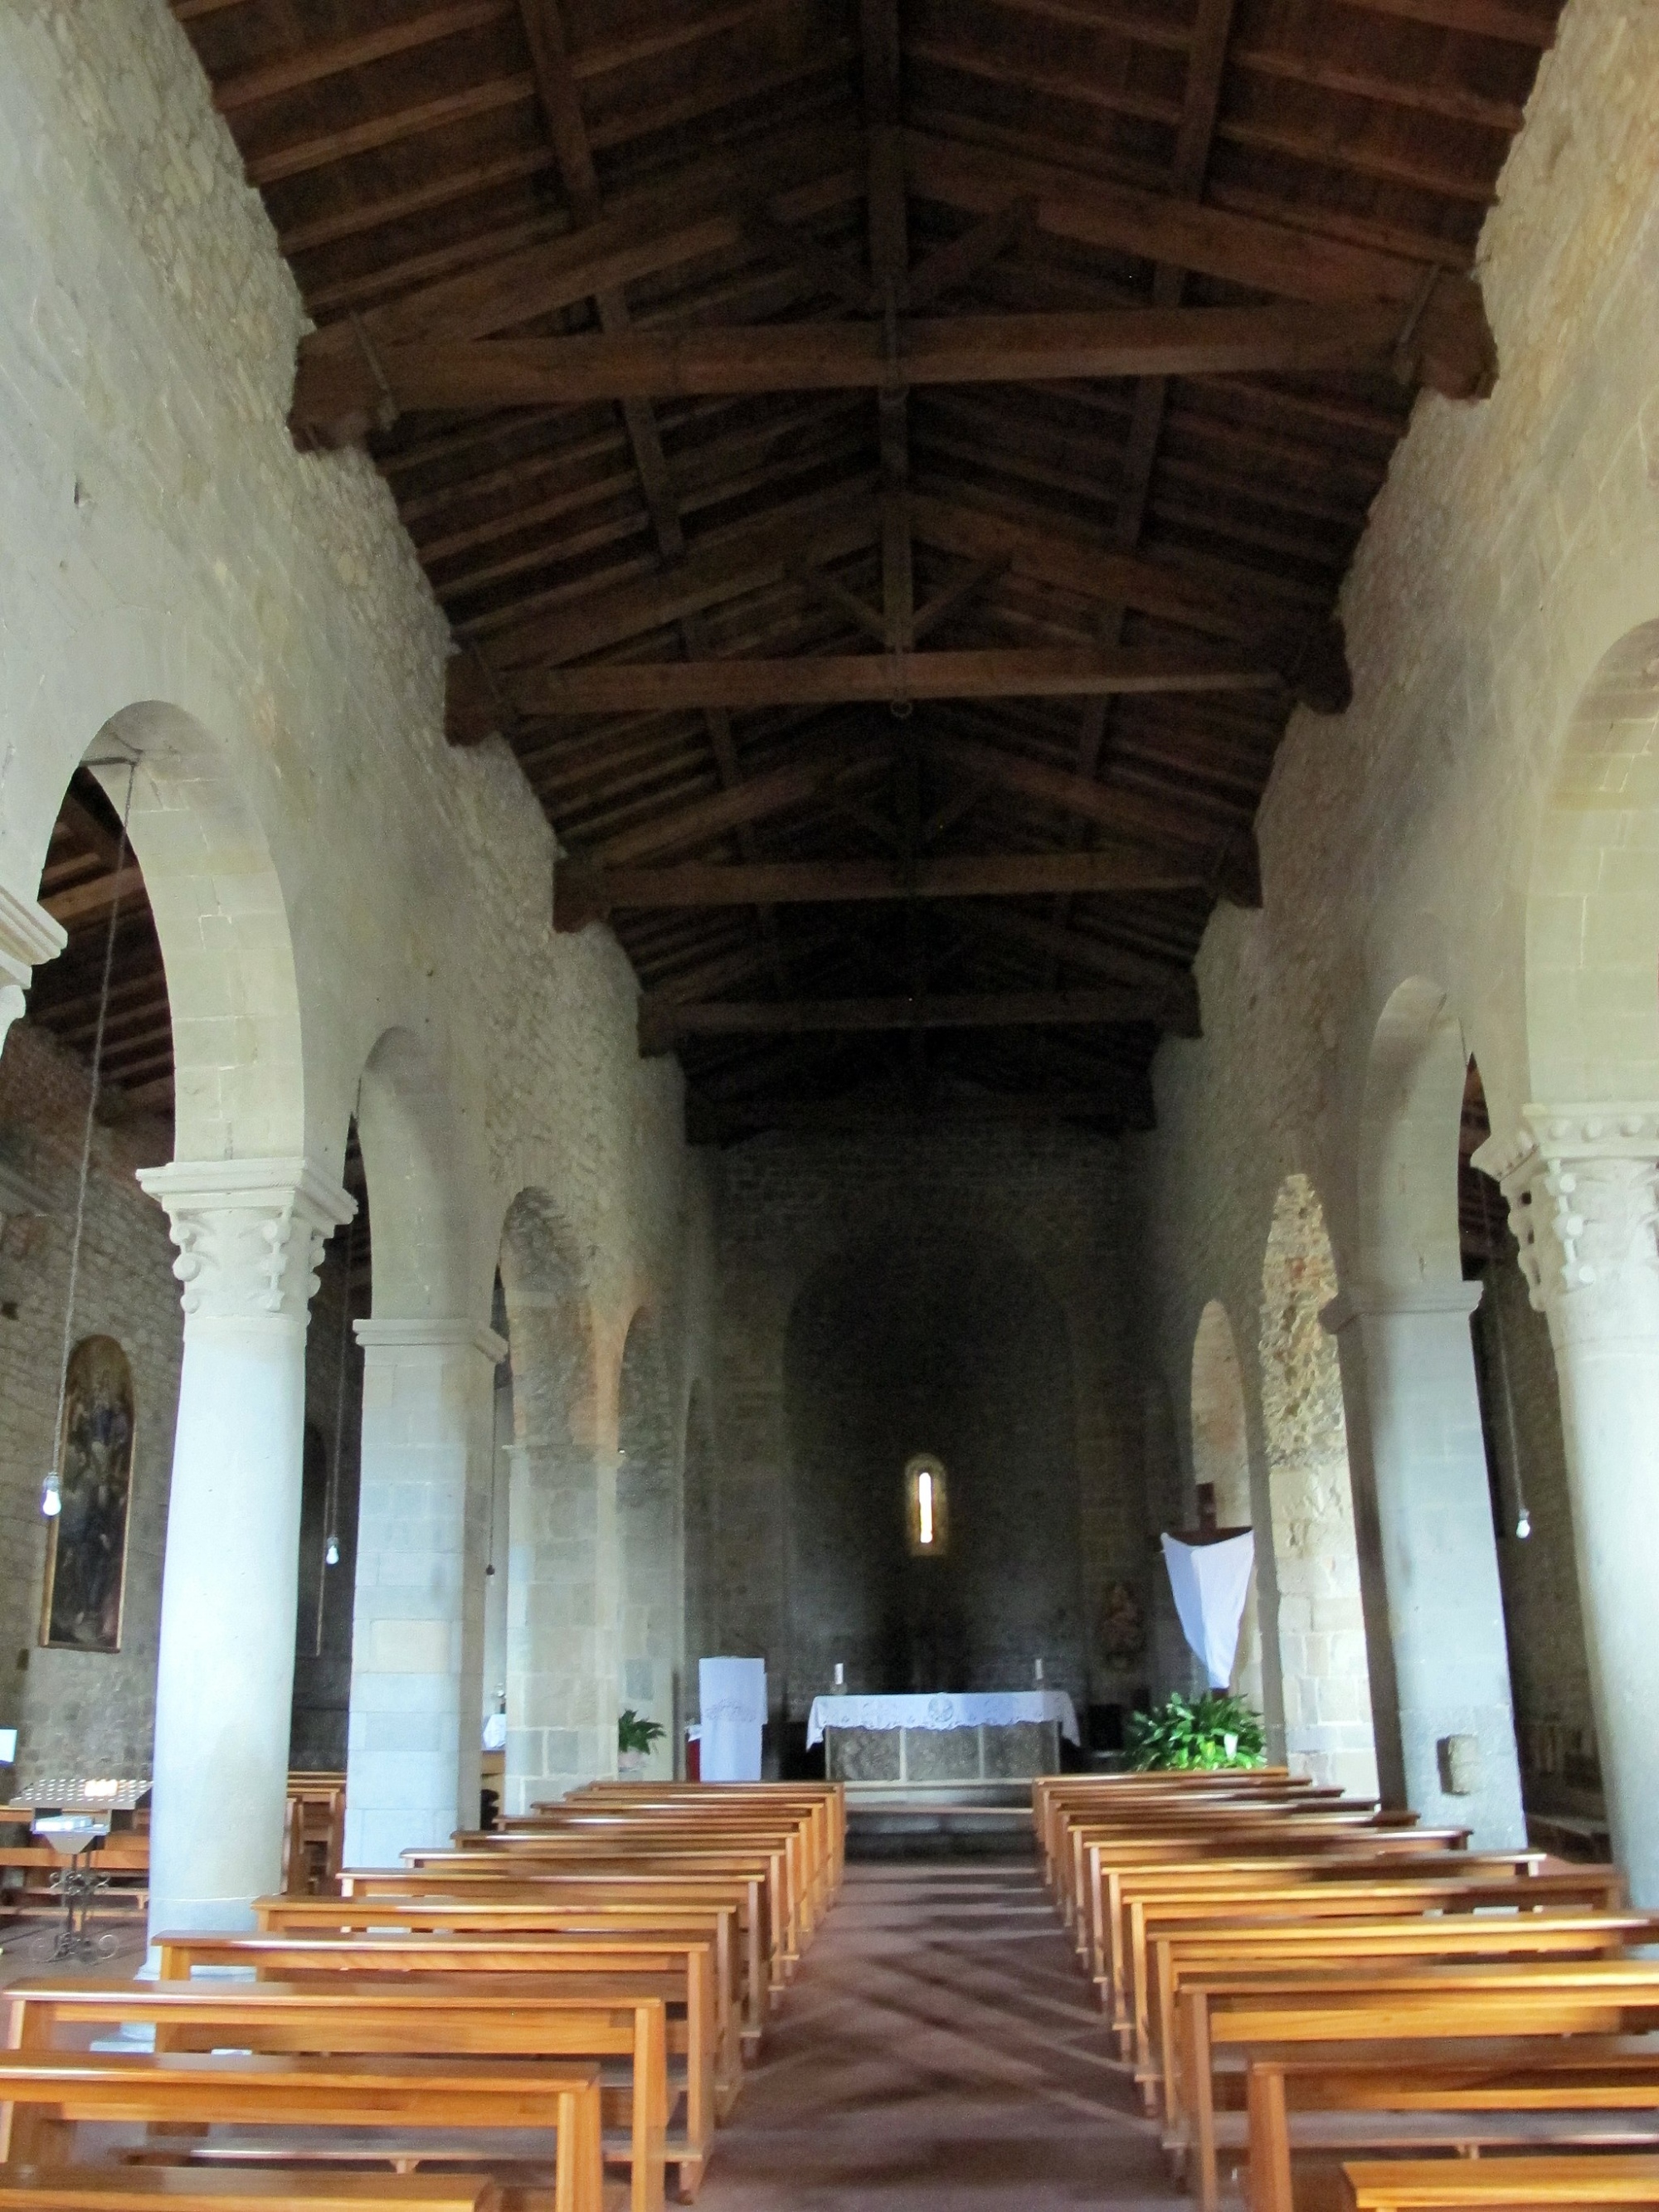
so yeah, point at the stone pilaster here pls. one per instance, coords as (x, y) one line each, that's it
(1582, 1187)
(249, 1234)
(417, 1635)
(1434, 1610)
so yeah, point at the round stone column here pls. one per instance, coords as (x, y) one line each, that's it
(1582, 1187)
(249, 1234)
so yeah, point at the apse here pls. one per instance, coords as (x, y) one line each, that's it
(953, 1356)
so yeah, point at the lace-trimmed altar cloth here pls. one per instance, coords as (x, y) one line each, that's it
(944, 1708)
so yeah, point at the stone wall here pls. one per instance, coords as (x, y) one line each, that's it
(925, 1219)
(1515, 542)
(79, 1712)
(354, 917)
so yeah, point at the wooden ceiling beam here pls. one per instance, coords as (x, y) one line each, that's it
(648, 234)
(949, 267)
(1477, 19)
(314, 64)
(1311, 655)
(90, 901)
(730, 969)
(341, 397)
(661, 1024)
(620, 687)
(302, 155)
(1230, 847)
(726, 565)
(709, 1121)
(750, 800)
(1172, 988)
(1238, 248)
(582, 893)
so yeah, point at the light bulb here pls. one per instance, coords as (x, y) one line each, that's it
(331, 1553)
(51, 1495)
(1523, 1523)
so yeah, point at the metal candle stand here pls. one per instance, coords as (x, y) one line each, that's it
(72, 1836)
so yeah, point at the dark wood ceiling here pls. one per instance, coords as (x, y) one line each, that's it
(1004, 381)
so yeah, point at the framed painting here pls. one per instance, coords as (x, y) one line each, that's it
(87, 1542)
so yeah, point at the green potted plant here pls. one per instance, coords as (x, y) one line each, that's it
(634, 1738)
(1215, 1730)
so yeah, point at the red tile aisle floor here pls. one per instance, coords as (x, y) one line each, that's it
(937, 2048)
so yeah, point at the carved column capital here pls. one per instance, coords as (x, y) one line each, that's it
(439, 1330)
(1582, 1183)
(1359, 1301)
(29, 936)
(250, 1233)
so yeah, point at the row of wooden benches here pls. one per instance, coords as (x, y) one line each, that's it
(523, 2013)
(1294, 1977)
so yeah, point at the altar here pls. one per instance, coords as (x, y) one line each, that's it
(988, 1735)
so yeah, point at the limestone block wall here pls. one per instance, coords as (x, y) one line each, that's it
(905, 1208)
(325, 871)
(1515, 541)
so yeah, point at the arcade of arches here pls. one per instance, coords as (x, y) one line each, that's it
(521, 1360)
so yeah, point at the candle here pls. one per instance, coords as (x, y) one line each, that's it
(1039, 1673)
(841, 1675)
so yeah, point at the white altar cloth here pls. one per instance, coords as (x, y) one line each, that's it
(944, 1708)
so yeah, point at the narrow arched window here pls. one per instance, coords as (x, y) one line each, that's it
(926, 1508)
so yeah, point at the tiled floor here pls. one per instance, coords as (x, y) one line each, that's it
(938, 2048)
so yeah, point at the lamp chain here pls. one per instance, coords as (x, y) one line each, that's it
(55, 1473)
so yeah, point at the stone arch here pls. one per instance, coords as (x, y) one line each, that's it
(1412, 1106)
(650, 1541)
(1321, 1628)
(1593, 906)
(222, 923)
(564, 1584)
(1221, 1457)
(408, 1130)
(1434, 1612)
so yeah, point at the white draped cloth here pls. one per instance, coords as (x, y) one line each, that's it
(943, 1709)
(732, 1696)
(1211, 1582)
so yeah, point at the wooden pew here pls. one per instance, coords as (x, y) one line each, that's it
(46, 2095)
(1495, 2094)
(1213, 1950)
(1117, 1876)
(1487, 2185)
(562, 1888)
(816, 1815)
(678, 1967)
(438, 2016)
(820, 1807)
(761, 1866)
(251, 2189)
(1376, 2006)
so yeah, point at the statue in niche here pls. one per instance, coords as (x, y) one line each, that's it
(1123, 1626)
(87, 1542)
